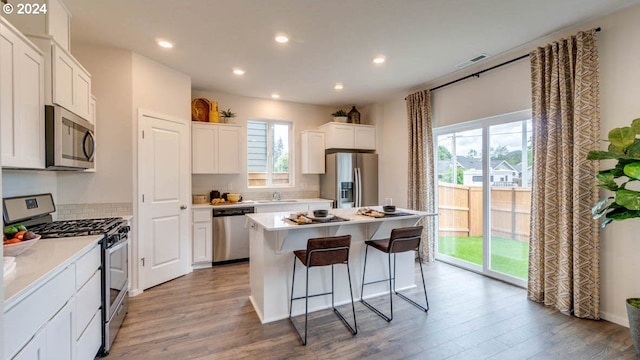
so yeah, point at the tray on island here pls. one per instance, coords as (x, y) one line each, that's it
(307, 220)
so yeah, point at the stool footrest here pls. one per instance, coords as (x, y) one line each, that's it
(302, 297)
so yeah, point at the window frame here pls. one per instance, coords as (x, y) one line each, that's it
(291, 153)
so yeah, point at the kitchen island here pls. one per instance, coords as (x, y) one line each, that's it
(273, 239)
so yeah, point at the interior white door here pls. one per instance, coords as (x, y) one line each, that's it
(164, 186)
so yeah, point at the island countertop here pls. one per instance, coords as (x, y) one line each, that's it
(277, 221)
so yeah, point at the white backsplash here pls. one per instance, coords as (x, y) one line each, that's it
(88, 211)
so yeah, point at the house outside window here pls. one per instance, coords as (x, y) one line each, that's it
(269, 161)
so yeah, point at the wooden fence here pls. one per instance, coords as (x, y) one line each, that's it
(461, 211)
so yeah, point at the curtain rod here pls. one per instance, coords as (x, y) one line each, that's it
(485, 70)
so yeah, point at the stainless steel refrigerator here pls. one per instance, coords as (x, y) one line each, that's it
(350, 180)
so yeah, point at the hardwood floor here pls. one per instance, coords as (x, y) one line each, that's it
(207, 315)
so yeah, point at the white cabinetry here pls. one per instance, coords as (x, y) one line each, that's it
(312, 144)
(349, 136)
(215, 148)
(292, 206)
(202, 237)
(60, 319)
(21, 100)
(56, 22)
(67, 83)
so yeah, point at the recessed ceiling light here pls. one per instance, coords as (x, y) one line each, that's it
(165, 44)
(238, 71)
(338, 86)
(282, 38)
(379, 59)
(275, 96)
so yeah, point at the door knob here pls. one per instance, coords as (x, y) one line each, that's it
(183, 207)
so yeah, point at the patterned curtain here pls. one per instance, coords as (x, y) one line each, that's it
(421, 187)
(564, 246)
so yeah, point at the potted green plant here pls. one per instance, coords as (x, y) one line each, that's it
(227, 114)
(624, 146)
(340, 116)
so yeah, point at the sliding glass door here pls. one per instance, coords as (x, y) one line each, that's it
(484, 195)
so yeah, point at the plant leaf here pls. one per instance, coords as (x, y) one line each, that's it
(599, 209)
(606, 180)
(632, 170)
(634, 150)
(635, 124)
(622, 137)
(628, 198)
(602, 155)
(616, 150)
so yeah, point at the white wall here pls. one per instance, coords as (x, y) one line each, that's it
(619, 89)
(304, 117)
(111, 77)
(160, 90)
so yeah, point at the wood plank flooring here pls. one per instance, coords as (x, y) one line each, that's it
(207, 315)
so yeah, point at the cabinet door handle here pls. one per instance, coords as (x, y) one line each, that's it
(183, 207)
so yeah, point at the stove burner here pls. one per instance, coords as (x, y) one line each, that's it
(81, 227)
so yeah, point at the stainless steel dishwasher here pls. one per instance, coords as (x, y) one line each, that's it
(230, 237)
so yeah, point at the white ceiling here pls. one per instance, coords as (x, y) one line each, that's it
(331, 40)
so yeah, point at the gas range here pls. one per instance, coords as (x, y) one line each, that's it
(35, 213)
(110, 227)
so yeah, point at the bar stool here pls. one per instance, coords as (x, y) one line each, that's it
(323, 251)
(401, 240)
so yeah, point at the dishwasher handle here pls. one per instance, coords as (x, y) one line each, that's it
(233, 212)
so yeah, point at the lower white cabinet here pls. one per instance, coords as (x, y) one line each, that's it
(90, 340)
(36, 349)
(298, 206)
(62, 318)
(61, 330)
(202, 236)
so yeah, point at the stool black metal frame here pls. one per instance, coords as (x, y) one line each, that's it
(392, 278)
(354, 328)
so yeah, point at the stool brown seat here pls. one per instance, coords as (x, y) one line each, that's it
(401, 240)
(323, 251)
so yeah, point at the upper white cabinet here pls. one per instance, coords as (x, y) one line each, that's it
(21, 100)
(349, 136)
(215, 148)
(312, 144)
(67, 83)
(53, 19)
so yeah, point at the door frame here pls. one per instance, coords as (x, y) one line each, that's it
(483, 124)
(135, 247)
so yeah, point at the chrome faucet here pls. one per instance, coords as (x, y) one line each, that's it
(276, 196)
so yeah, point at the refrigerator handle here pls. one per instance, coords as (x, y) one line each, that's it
(358, 188)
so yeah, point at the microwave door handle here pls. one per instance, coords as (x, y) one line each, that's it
(89, 135)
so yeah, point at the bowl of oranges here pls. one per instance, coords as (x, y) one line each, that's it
(17, 239)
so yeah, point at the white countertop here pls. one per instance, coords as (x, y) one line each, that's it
(40, 262)
(259, 203)
(275, 221)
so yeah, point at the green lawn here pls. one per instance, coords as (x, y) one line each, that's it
(507, 256)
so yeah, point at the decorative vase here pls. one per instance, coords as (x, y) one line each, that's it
(634, 324)
(214, 115)
(354, 116)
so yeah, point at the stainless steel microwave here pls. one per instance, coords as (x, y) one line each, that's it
(69, 140)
